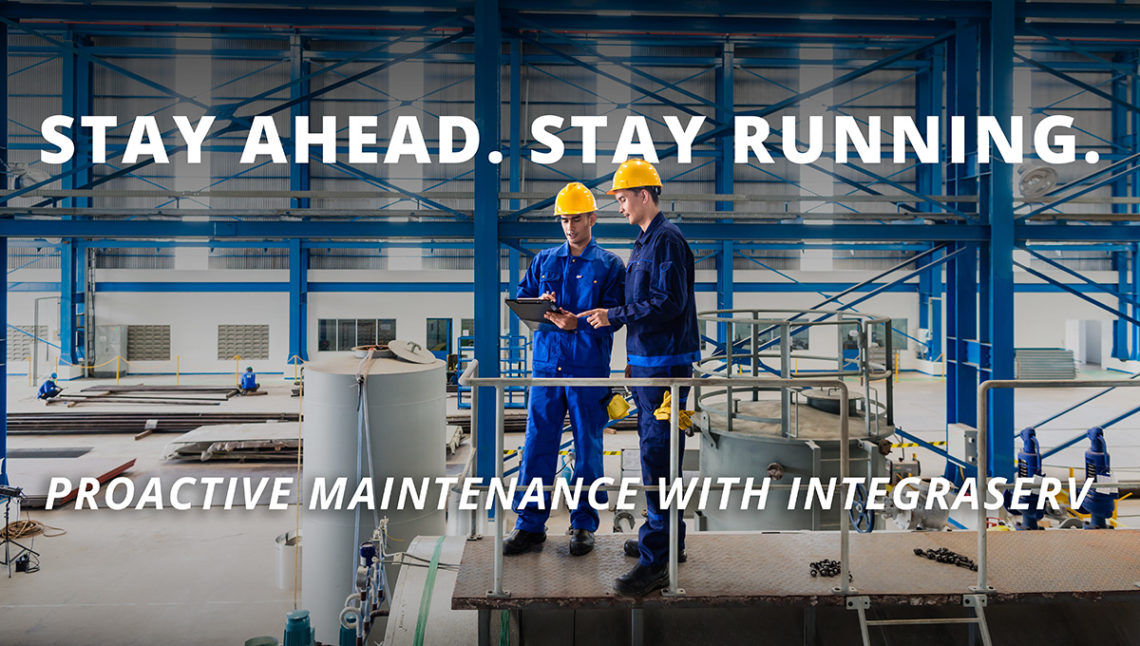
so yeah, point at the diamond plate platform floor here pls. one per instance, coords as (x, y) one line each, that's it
(726, 570)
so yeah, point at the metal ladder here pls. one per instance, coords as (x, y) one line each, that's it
(976, 602)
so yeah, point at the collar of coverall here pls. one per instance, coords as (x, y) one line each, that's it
(587, 253)
(643, 237)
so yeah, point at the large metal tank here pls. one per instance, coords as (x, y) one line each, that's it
(751, 448)
(794, 432)
(406, 420)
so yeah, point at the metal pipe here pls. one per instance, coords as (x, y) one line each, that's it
(785, 373)
(497, 590)
(674, 473)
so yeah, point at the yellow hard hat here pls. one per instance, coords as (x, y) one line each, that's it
(574, 198)
(635, 173)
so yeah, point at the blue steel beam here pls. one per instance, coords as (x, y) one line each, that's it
(1120, 292)
(961, 273)
(725, 100)
(1088, 87)
(238, 122)
(1134, 266)
(633, 69)
(298, 71)
(1077, 293)
(777, 106)
(508, 231)
(488, 39)
(998, 280)
(515, 126)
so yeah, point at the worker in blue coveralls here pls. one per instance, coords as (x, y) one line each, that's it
(49, 389)
(661, 341)
(577, 276)
(248, 381)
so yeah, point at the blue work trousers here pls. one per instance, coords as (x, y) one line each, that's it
(546, 414)
(653, 537)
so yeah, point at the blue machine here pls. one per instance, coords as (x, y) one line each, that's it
(1028, 466)
(1097, 504)
(298, 632)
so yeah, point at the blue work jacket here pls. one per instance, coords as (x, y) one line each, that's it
(249, 380)
(579, 283)
(660, 312)
(47, 388)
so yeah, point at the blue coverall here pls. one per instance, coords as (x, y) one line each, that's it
(48, 390)
(662, 340)
(593, 279)
(249, 381)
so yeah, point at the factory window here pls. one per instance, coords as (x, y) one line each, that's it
(345, 334)
(20, 342)
(148, 343)
(439, 336)
(245, 341)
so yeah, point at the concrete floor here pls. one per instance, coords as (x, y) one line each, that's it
(208, 577)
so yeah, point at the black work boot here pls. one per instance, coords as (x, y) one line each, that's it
(630, 548)
(521, 541)
(641, 580)
(581, 541)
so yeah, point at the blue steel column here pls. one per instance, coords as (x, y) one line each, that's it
(725, 100)
(298, 173)
(69, 263)
(515, 175)
(928, 181)
(1120, 138)
(4, 264)
(76, 102)
(1134, 264)
(961, 274)
(1000, 279)
(487, 306)
(298, 181)
(298, 300)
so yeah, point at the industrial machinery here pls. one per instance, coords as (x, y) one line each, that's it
(1099, 503)
(1028, 466)
(793, 433)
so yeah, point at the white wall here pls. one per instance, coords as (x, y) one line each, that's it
(194, 316)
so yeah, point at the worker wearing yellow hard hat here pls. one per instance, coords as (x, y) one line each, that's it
(634, 174)
(661, 341)
(577, 275)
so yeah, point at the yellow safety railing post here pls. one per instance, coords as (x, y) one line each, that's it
(117, 357)
(896, 367)
(177, 370)
(237, 370)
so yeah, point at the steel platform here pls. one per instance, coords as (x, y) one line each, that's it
(726, 570)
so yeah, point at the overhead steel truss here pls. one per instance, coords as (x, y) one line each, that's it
(940, 49)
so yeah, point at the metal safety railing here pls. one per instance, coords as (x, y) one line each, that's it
(470, 377)
(760, 337)
(983, 449)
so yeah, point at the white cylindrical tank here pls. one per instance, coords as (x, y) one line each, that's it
(406, 418)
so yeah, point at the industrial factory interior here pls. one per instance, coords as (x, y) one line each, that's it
(827, 313)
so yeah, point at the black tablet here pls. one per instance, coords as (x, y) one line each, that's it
(531, 309)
